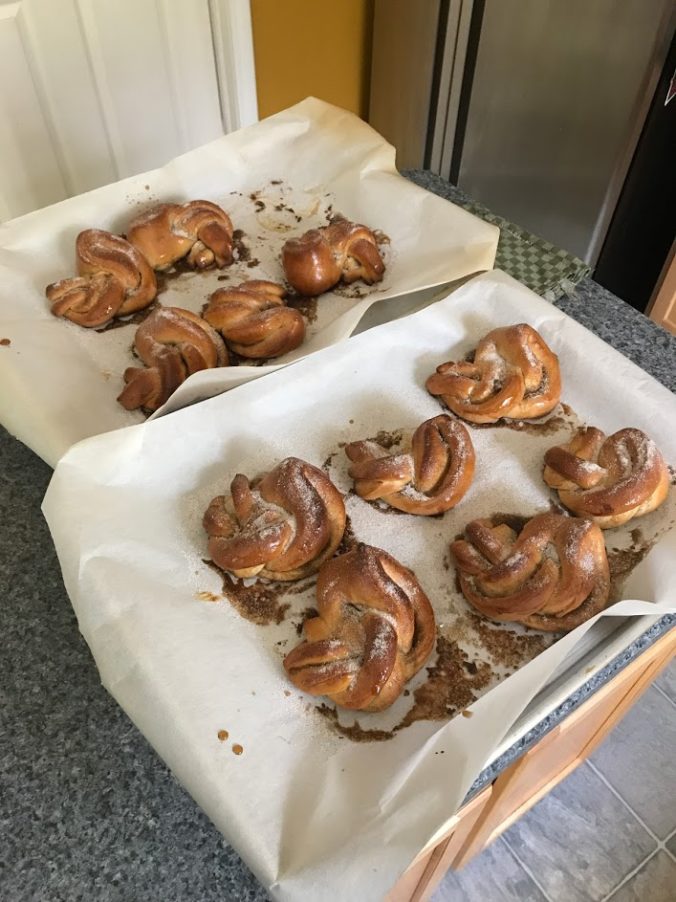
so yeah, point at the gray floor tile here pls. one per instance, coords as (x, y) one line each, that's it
(495, 876)
(671, 845)
(667, 680)
(655, 882)
(580, 841)
(638, 761)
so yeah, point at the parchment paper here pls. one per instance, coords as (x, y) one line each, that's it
(276, 179)
(315, 814)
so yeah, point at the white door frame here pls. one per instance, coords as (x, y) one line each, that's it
(235, 66)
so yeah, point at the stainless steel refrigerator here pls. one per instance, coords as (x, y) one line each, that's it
(533, 107)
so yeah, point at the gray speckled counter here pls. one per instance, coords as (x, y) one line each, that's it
(87, 809)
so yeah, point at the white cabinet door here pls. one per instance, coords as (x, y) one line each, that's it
(92, 91)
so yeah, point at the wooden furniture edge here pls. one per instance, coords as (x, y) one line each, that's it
(534, 774)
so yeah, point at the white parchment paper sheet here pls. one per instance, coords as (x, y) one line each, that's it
(276, 179)
(315, 816)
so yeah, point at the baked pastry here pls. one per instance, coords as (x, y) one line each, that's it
(429, 479)
(552, 575)
(283, 525)
(254, 320)
(610, 479)
(114, 280)
(513, 374)
(198, 230)
(374, 630)
(173, 343)
(321, 258)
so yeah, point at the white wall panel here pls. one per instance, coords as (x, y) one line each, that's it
(94, 90)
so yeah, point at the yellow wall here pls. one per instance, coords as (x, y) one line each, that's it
(318, 47)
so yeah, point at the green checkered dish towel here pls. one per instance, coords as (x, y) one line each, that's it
(544, 268)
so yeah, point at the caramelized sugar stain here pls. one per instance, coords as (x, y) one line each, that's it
(307, 307)
(5, 342)
(223, 735)
(449, 688)
(259, 603)
(622, 562)
(349, 540)
(237, 749)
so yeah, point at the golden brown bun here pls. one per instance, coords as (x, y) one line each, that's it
(514, 374)
(198, 230)
(552, 576)
(608, 480)
(115, 280)
(282, 526)
(173, 343)
(374, 630)
(254, 320)
(430, 479)
(320, 258)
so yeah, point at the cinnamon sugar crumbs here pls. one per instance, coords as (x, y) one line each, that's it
(387, 439)
(622, 561)
(349, 540)
(448, 689)
(258, 603)
(507, 647)
(307, 307)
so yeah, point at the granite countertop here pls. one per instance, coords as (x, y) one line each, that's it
(87, 809)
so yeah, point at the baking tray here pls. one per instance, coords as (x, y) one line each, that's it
(314, 813)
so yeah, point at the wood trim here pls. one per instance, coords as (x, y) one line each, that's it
(662, 305)
(538, 771)
(235, 66)
(420, 879)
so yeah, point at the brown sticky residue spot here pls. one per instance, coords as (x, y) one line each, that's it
(5, 342)
(307, 307)
(241, 251)
(349, 540)
(387, 439)
(307, 613)
(326, 466)
(287, 692)
(223, 735)
(537, 427)
(237, 749)
(467, 713)
(622, 561)
(353, 731)
(207, 596)
(506, 647)
(253, 263)
(258, 603)
(223, 278)
(275, 181)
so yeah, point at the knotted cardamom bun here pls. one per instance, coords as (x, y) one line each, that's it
(610, 479)
(552, 575)
(254, 320)
(429, 479)
(115, 280)
(198, 230)
(513, 374)
(283, 525)
(173, 343)
(374, 630)
(320, 258)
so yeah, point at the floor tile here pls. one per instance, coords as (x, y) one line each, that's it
(671, 845)
(580, 841)
(655, 882)
(638, 761)
(494, 876)
(667, 680)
